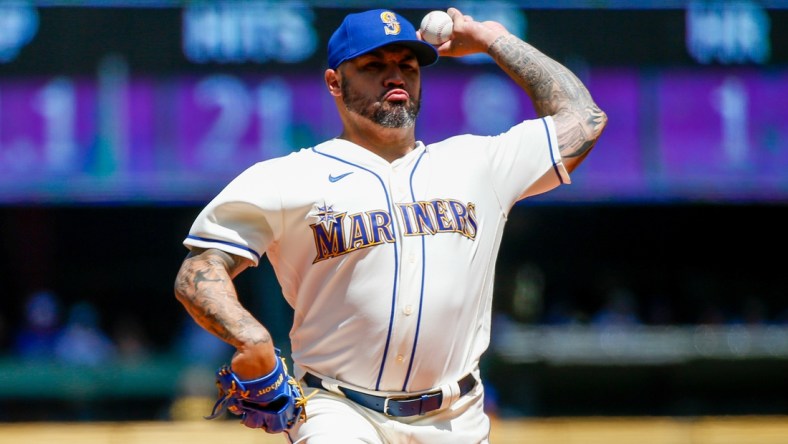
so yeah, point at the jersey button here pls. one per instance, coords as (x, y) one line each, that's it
(408, 310)
(400, 358)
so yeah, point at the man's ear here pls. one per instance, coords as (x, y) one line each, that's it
(332, 82)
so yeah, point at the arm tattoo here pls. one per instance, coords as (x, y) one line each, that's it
(200, 276)
(554, 91)
(206, 290)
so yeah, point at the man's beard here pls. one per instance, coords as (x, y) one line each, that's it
(385, 114)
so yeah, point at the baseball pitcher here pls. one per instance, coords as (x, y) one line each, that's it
(384, 247)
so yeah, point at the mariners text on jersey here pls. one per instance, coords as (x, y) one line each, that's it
(337, 234)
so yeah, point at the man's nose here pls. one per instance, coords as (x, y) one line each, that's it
(394, 77)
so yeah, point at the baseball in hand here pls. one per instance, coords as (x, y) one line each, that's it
(436, 27)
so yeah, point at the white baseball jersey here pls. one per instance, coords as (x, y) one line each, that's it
(389, 267)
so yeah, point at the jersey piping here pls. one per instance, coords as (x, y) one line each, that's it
(396, 261)
(421, 288)
(232, 244)
(552, 156)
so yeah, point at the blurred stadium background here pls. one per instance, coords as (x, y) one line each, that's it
(645, 303)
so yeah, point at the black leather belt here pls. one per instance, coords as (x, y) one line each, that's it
(397, 405)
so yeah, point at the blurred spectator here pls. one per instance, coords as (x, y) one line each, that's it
(82, 341)
(40, 329)
(130, 338)
(561, 311)
(528, 293)
(620, 309)
(194, 345)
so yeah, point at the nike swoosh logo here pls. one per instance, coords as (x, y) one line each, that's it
(337, 178)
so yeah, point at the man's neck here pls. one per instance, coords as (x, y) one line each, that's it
(388, 143)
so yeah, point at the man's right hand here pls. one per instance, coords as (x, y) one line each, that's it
(470, 36)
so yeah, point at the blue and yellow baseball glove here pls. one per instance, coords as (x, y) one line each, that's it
(275, 402)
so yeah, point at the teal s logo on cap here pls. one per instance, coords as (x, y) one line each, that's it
(362, 32)
(390, 20)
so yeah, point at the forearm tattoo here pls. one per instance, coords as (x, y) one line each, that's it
(554, 91)
(206, 290)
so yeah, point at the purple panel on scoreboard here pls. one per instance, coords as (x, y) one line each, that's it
(685, 134)
(47, 127)
(146, 131)
(616, 165)
(726, 126)
(225, 123)
(452, 105)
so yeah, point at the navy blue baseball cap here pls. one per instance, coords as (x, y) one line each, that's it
(363, 32)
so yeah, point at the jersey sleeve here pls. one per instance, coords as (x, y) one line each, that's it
(525, 160)
(243, 218)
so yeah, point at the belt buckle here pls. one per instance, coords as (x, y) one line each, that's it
(386, 404)
(421, 398)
